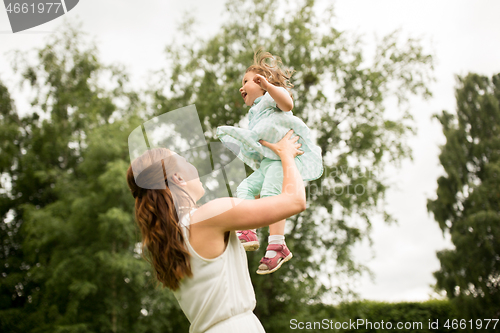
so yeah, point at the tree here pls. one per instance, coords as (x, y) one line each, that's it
(468, 198)
(66, 228)
(69, 247)
(339, 96)
(14, 279)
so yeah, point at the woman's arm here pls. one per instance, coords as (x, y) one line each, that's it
(238, 214)
(279, 94)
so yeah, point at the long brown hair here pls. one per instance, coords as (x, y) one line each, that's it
(269, 66)
(156, 214)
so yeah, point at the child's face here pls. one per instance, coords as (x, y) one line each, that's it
(250, 90)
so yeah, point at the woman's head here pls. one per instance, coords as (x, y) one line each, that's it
(160, 168)
(165, 186)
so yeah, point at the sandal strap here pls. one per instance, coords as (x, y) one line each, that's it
(265, 260)
(275, 247)
(279, 248)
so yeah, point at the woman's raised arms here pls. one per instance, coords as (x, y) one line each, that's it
(238, 214)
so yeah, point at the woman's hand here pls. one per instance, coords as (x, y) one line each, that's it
(261, 81)
(286, 146)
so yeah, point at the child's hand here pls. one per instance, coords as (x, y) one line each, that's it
(261, 81)
(285, 146)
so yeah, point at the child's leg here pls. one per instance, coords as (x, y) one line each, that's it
(277, 228)
(248, 189)
(277, 252)
(272, 186)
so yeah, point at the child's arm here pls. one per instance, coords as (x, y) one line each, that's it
(279, 94)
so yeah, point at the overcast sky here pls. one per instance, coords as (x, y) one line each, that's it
(464, 35)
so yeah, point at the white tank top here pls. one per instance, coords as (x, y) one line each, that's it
(219, 290)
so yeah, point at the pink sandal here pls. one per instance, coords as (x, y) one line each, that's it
(269, 265)
(248, 239)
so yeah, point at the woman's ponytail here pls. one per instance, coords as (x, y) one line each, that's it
(156, 215)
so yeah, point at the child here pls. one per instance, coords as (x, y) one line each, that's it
(266, 89)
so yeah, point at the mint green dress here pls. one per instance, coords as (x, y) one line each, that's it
(269, 123)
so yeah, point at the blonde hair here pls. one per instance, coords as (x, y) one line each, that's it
(272, 70)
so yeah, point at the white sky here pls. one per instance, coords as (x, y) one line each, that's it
(463, 34)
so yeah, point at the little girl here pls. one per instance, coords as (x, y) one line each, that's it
(266, 89)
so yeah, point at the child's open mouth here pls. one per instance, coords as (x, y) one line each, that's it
(243, 95)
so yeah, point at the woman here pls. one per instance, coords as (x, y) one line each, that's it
(195, 252)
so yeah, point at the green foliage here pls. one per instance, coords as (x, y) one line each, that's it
(14, 278)
(69, 254)
(340, 96)
(468, 198)
(69, 259)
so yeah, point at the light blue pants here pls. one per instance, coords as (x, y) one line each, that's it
(266, 181)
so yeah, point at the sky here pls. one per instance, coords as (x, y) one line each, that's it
(463, 35)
